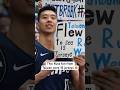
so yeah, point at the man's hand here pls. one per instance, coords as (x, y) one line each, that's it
(44, 73)
(78, 76)
(80, 60)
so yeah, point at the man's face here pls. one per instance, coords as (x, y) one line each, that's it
(47, 22)
(21, 7)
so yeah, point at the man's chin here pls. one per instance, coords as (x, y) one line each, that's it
(49, 32)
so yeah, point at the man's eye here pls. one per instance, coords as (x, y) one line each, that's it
(53, 17)
(44, 17)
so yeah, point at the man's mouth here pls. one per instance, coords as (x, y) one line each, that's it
(49, 25)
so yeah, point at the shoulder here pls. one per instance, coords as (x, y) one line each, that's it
(38, 46)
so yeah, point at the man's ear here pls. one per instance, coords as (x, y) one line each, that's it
(7, 3)
(37, 25)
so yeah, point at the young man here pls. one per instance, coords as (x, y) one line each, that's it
(17, 49)
(46, 79)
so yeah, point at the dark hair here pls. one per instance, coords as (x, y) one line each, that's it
(47, 7)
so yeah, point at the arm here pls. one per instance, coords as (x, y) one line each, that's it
(43, 73)
(78, 76)
(28, 85)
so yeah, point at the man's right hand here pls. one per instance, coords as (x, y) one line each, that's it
(44, 73)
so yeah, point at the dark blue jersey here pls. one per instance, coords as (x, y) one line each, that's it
(15, 65)
(58, 79)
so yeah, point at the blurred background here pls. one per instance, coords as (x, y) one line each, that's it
(4, 18)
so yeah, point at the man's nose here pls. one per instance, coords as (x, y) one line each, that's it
(49, 19)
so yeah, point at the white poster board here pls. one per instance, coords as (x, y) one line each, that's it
(70, 33)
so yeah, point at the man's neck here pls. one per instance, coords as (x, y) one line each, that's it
(22, 34)
(47, 41)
